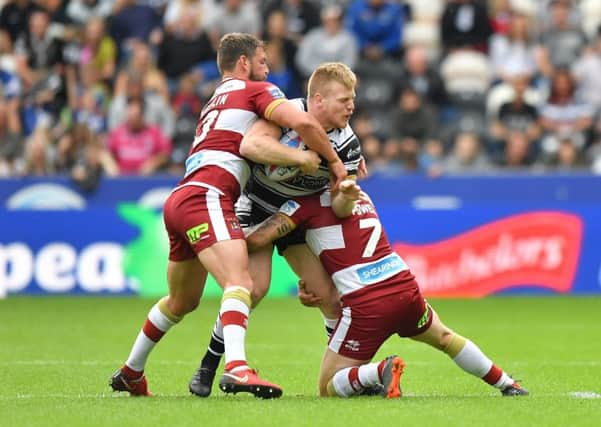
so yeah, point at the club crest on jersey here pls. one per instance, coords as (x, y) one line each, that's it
(195, 234)
(289, 207)
(352, 345)
(275, 92)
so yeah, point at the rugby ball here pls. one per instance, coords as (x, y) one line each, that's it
(282, 173)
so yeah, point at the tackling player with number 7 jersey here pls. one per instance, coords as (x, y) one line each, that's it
(380, 297)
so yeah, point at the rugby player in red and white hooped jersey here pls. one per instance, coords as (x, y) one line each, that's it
(204, 234)
(331, 94)
(380, 297)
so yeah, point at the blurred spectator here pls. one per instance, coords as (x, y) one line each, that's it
(38, 154)
(156, 110)
(185, 48)
(70, 146)
(301, 16)
(328, 43)
(423, 78)
(500, 16)
(466, 156)
(587, 72)
(276, 31)
(94, 163)
(378, 27)
(517, 115)
(563, 115)
(81, 11)
(186, 105)
(142, 64)
(518, 152)
(137, 147)
(201, 10)
(39, 54)
(280, 73)
(569, 158)
(39, 60)
(235, 16)
(14, 17)
(465, 24)
(61, 25)
(412, 121)
(11, 141)
(562, 42)
(10, 84)
(133, 22)
(514, 52)
(413, 137)
(98, 49)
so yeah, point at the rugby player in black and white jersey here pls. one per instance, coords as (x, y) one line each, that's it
(331, 94)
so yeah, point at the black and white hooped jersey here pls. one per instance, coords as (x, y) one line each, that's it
(269, 195)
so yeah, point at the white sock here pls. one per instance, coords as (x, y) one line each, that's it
(234, 316)
(156, 325)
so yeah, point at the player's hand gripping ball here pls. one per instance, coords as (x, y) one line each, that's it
(282, 173)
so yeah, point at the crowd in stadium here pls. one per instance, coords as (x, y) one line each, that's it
(114, 87)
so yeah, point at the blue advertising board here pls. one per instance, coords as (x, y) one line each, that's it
(462, 236)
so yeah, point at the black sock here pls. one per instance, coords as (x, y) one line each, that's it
(213, 355)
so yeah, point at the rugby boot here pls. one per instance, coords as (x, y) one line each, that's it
(202, 382)
(135, 387)
(391, 377)
(248, 381)
(514, 390)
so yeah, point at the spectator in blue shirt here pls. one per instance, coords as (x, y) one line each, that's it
(378, 26)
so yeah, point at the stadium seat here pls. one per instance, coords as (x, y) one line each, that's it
(429, 11)
(424, 34)
(466, 72)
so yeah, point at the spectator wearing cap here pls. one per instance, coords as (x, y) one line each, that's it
(378, 27)
(328, 43)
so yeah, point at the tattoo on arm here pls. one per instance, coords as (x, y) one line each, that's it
(279, 224)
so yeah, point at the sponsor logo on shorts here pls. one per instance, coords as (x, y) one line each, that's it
(424, 318)
(195, 234)
(234, 225)
(352, 345)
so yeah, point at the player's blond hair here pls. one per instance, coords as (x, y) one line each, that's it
(329, 72)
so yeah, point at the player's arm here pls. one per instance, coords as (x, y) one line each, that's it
(343, 201)
(261, 145)
(274, 227)
(287, 115)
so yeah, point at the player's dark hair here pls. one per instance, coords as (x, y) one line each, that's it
(234, 45)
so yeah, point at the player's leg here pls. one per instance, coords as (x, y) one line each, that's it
(227, 261)
(345, 377)
(468, 356)
(186, 278)
(260, 270)
(362, 328)
(317, 281)
(186, 282)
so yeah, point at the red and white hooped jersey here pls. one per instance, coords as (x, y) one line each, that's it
(214, 159)
(354, 250)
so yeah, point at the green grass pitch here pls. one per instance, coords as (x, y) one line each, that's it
(57, 353)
